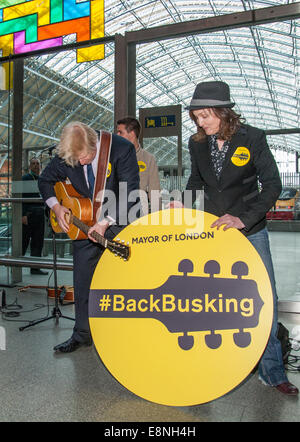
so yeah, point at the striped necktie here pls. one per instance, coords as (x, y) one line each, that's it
(91, 179)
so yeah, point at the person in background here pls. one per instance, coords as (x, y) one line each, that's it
(33, 217)
(228, 160)
(130, 129)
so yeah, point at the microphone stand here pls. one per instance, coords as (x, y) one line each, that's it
(56, 313)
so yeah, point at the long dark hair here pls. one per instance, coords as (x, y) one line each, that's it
(230, 123)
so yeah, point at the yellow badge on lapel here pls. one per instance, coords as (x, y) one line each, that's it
(241, 156)
(108, 170)
(142, 166)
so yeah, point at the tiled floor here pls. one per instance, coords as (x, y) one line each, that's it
(39, 385)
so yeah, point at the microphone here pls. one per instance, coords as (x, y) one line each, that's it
(49, 150)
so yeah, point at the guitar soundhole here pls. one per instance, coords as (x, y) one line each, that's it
(68, 217)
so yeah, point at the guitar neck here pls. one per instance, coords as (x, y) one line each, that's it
(82, 226)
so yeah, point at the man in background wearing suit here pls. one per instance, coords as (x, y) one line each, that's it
(77, 160)
(33, 216)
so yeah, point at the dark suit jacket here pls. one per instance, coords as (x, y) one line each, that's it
(237, 192)
(124, 168)
(36, 209)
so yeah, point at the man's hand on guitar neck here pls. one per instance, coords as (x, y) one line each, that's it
(60, 213)
(100, 227)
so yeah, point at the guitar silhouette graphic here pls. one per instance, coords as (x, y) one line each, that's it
(187, 303)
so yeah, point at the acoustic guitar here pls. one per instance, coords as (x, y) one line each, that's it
(80, 219)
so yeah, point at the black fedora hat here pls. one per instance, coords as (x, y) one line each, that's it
(211, 94)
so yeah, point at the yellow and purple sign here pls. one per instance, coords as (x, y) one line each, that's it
(187, 318)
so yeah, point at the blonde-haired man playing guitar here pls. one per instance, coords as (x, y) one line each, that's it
(79, 147)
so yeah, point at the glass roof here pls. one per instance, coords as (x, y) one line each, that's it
(260, 63)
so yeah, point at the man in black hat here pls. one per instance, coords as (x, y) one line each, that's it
(228, 160)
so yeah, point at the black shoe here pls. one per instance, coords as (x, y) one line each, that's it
(71, 345)
(38, 272)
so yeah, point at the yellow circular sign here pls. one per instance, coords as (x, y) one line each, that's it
(241, 156)
(188, 316)
(142, 166)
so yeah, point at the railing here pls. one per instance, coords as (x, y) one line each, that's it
(170, 183)
(11, 261)
(63, 246)
(290, 179)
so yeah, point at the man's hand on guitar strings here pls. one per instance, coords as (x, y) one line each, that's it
(61, 214)
(100, 228)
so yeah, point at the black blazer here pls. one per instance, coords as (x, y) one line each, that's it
(248, 162)
(123, 168)
(37, 209)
